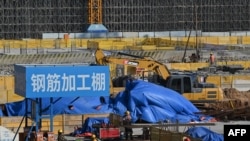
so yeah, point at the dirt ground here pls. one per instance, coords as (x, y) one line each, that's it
(243, 96)
(234, 93)
(235, 106)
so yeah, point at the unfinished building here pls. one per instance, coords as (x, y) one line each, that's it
(31, 18)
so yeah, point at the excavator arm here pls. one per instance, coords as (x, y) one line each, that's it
(134, 61)
(131, 61)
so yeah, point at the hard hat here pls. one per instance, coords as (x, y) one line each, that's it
(127, 112)
(60, 131)
(93, 136)
(211, 52)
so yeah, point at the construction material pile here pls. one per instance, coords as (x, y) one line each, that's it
(235, 106)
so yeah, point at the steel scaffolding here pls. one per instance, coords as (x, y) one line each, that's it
(30, 18)
(172, 15)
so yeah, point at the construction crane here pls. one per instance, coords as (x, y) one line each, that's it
(95, 16)
(95, 11)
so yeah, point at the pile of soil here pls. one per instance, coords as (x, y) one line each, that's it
(235, 106)
(242, 96)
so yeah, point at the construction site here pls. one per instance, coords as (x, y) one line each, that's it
(163, 43)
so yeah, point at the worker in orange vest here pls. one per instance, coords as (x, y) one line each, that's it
(212, 59)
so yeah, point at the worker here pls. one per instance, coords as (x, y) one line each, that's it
(94, 137)
(127, 121)
(212, 59)
(61, 136)
(193, 58)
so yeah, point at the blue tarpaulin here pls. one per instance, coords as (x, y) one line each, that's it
(147, 101)
(89, 122)
(80, 105)
(154, 103)
(205, 134)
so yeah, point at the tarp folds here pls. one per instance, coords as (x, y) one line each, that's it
(205, 134)
(154, 103)
(69, 105)
(146, 101)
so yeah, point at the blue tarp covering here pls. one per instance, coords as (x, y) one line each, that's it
(87, 126)
(147, 101)
(81, 105)
(205, 134)
(154, 103)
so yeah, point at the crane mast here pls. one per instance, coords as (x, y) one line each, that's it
(95, 16)
(95, 11)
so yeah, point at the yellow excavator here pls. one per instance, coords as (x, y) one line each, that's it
(156, 72)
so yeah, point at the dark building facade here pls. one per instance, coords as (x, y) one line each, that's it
(32, 18)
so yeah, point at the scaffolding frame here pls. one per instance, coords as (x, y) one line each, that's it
(175, 15)
(31, 18)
